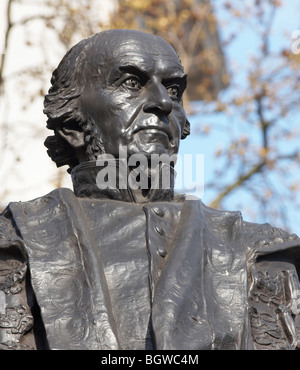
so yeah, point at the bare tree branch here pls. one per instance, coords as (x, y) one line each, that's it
(238, 183)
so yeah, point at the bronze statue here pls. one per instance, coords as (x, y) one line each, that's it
(136, 267)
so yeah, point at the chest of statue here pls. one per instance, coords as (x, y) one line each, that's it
(129, 238)
(109, 274)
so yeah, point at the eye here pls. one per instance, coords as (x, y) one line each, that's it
(132, 83)
(173, 91)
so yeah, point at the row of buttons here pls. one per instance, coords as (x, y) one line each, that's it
(160, 212)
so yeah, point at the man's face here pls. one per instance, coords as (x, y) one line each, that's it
(135, 96)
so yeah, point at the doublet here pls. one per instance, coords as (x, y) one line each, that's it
(83, 271)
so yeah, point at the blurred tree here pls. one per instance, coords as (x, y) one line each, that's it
(260, 163)
(252, 106)
(45, 29)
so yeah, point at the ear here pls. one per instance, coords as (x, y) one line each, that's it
(74, 137)
(186, 130)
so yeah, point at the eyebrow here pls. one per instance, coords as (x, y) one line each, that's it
(179, 76)
(176, 79)
(133, 69)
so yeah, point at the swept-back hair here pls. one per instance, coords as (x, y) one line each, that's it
(61, 105)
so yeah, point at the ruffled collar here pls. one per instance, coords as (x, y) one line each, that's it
(86, 175)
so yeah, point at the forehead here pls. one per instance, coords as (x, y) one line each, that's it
(149, 53)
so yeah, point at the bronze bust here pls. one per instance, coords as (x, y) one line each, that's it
(136, 267)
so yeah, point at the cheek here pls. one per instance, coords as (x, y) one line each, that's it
(102, 107)
(179, 119)
(92, 104)
(115, 106)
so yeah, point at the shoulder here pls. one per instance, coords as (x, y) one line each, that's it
(8, 232)
(263, 235)
(39, 205)
(264, 240)
(15, 211)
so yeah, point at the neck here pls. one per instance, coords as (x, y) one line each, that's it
(114, 180)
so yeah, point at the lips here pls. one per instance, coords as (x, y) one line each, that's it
(156, 125)
(155, 129)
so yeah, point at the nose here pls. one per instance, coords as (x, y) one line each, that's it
(158, 99)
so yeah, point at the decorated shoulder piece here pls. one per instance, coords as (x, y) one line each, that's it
(16, 320)
(274, 289)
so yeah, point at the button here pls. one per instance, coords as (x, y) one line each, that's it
(159, 230)
(162, 252)
(158, 211)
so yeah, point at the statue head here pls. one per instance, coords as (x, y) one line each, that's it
(116, 88)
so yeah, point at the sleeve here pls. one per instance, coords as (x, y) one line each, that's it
(16, 320)
(273, 258)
